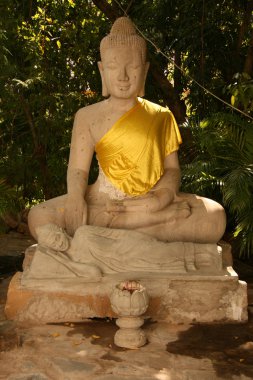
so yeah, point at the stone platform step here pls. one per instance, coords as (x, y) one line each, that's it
(173, 299)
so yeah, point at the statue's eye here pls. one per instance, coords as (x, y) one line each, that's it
(134, 67)
(111, 67)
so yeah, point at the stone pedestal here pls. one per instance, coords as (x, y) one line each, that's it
(130, 334)
(129, 300)
(176, 299)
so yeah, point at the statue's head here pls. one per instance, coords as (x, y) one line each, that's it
(123, 65)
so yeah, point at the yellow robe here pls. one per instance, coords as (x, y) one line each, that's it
(131, 154)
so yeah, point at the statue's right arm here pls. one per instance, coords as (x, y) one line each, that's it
(81, 152)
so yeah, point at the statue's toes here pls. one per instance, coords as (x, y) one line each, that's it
(183, 213)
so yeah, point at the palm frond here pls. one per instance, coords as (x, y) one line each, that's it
(222, 169)
(238, 188)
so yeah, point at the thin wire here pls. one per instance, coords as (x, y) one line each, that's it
(129, 6)
(182, 71)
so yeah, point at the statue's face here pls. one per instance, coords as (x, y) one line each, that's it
(123, 72)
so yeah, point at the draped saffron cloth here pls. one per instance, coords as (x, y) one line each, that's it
(131, 154)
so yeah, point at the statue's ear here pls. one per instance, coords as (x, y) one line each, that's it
(105, 92)
(142, 90)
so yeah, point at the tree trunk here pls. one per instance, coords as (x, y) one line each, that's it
(177, 73)
(202, 55)
(39, 151)
(237, 66)
(244, 25)
(169, 94)
(107, 9)
(248, 64)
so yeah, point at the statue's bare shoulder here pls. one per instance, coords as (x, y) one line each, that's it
(90, 118)
(95, 119)
(91, 112)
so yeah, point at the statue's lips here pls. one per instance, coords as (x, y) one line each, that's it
(124, 88)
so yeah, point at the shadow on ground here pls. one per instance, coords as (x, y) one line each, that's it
(101, 331)
(228, 346)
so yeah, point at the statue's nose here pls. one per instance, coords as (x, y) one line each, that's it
(123, 74)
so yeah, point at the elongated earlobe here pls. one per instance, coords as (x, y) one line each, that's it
(105, 91)
(142, 90)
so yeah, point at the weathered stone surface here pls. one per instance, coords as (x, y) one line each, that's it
(78, 351)
(71, 366)
(174, 299)
(28, 376)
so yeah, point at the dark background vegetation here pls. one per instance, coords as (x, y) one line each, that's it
(48, 55)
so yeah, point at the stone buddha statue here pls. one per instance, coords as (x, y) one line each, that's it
(136, 195)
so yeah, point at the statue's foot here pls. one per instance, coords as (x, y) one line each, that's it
(209, 259)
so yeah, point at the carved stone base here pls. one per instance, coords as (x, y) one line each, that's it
(130, 335)
(173, 299)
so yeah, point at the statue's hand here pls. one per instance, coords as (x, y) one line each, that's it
(75, 213)
(152, 202)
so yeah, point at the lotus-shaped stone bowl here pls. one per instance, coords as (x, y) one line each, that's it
(129, 298)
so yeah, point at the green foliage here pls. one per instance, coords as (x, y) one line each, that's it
(241, 91)
(222, 169)
(11, 202)
(10, 199)
(48, 76)
(48, 55)
(209, 40)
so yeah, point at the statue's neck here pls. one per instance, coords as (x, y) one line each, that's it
(121, 105)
